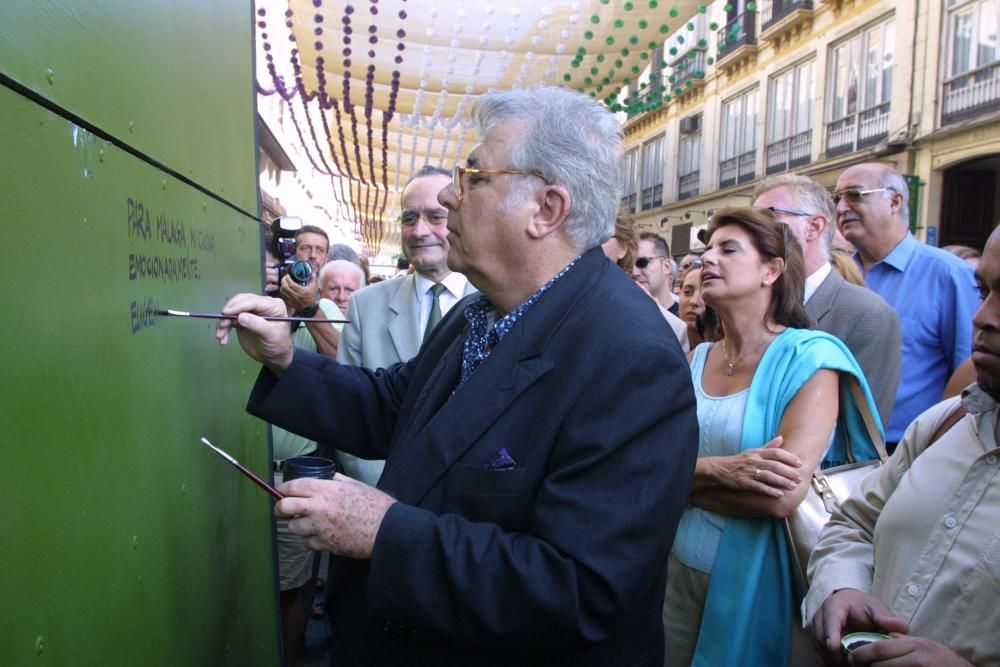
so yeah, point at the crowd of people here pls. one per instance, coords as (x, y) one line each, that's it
(557, 445)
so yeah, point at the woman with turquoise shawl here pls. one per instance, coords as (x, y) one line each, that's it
(774, 404)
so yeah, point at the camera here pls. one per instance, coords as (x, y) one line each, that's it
(282, 243)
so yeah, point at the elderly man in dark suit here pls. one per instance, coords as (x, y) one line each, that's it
(856, 315)
(532, 489)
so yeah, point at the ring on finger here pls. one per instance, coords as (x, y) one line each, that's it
(757, 473)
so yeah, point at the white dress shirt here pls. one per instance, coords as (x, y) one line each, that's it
(454, 284)
(816, 279)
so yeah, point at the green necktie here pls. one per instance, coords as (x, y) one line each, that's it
(435, 315)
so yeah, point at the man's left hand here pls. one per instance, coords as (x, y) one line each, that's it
(298, 297)
(906, 651)
(341, 515)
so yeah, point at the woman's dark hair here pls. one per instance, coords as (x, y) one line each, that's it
(773, 240)
(708, 325)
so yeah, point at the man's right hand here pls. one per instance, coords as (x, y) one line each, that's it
(850, 610)
(270, 343)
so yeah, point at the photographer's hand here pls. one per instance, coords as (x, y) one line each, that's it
(271, 286)
(270, 343)
(299, 297)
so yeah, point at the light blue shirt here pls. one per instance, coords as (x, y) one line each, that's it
(720, 427)
(935, 295)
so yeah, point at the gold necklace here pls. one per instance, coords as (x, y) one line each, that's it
(730, 367)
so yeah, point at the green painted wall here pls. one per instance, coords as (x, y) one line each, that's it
(172, 78)
(124, 541)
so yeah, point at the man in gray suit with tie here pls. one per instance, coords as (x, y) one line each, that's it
(390, 319)
(856, 315)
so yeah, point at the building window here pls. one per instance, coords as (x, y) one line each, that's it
(861, 80)
(630, 167)
(972, 77)
(739, 140)
(652, 173)
(789, 118)
(689, 157)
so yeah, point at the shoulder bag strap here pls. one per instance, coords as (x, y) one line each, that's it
(947, 424)
(869, 418)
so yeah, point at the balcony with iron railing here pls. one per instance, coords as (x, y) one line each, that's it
(738, 36)
(687, 185)
(788, 153)
(857, 131)
(739, 169)
(779, 17)
(689, 73)
(971, 93)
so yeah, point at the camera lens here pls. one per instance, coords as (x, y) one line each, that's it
(301, 271)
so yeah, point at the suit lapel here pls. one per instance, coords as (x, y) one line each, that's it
(822, 299)
(402, 319)
(444, 425)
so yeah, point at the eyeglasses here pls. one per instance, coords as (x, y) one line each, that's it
(693, 264)
(458, 172)
(854, 195)
(786, 211)
(433, 216)
(643, 262)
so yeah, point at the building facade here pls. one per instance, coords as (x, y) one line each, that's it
(812, 87)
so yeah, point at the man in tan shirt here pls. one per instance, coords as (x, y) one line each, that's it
(915, 551)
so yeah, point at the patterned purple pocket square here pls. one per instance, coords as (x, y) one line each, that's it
(502, 460)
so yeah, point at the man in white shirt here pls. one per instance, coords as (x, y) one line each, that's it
(390, 319)
(654, 270)
(867, 325)
(338, 280)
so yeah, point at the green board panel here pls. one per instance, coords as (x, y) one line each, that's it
(172, 79)
(127, 542)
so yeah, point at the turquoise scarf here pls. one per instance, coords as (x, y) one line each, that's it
(748, 608)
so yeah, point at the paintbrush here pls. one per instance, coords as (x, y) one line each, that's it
(220, 316)
(246, 471)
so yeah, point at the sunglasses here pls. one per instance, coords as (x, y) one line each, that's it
(693, 264)
(458, 173)
(854, 195)
(643, 262)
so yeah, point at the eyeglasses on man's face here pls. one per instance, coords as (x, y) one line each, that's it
(433, 216)
(693, 264)
(786, 211)
(458, 176)
(643, 262)
(854, 195)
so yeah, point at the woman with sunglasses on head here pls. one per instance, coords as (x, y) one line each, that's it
(769, 396)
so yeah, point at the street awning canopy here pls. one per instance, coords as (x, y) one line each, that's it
(379, 88)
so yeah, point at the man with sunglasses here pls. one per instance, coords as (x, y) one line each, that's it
(654, 271)
(540, 447)
(933, 291)
(860, 318)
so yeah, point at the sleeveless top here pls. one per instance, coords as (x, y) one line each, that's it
(720, 428)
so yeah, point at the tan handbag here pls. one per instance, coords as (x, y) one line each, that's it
(828, 489)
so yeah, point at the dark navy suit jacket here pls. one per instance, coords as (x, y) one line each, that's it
(556, 558)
